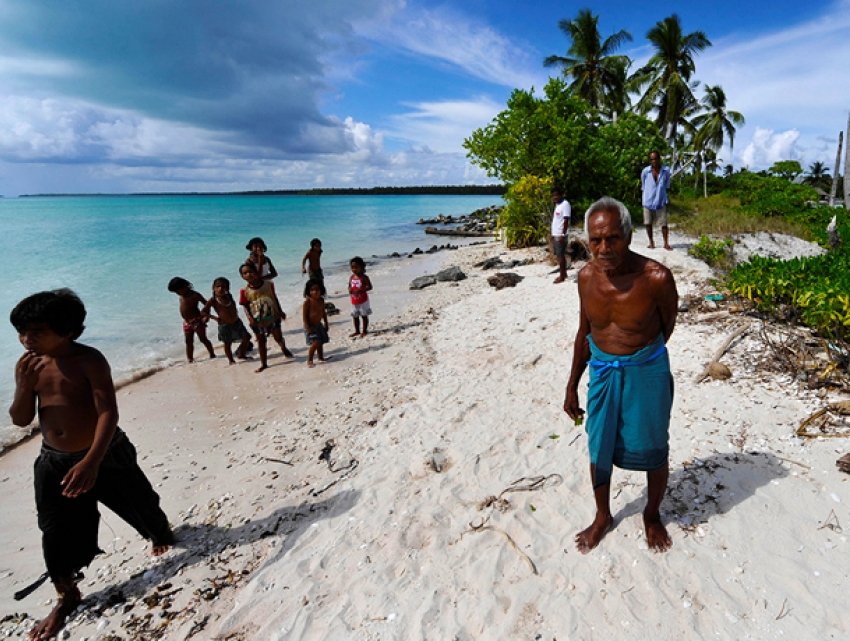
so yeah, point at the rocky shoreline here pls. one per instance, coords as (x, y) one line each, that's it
(481, 222)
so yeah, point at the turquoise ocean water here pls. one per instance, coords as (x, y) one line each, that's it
(118, 254)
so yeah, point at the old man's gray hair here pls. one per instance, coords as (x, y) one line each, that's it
(614, 206)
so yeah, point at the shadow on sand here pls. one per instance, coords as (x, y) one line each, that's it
(197, 543)
(710, 486)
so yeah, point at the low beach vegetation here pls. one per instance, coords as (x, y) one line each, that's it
(717, 253)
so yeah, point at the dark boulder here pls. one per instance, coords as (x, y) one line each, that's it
(452, 274)
(423, 281)
(502, 280)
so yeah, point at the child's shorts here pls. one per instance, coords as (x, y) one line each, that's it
(267, 330)
(232, 332)
(317, 334)
(361, 311)
(190, 327)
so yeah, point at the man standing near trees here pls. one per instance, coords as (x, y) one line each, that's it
(628, 306)
(560, 232)
(655, 181)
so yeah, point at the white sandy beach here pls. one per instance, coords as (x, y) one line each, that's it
(370, 541)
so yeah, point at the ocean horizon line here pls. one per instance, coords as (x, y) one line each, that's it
(416, 190)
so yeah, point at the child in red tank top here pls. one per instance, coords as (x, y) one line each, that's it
(358, 286)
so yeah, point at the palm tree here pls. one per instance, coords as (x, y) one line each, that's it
(666, 78)
(718, 123)
(728, 170)
(596, 72)
(818, 175)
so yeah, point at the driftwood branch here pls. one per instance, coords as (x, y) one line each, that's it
(717, 356)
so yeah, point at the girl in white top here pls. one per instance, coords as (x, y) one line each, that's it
(258, 258)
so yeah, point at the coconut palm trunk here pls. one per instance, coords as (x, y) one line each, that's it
(847, 162)
(837, 167)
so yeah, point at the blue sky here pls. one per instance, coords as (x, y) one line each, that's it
(180, 95)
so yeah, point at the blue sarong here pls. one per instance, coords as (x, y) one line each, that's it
(628, 410)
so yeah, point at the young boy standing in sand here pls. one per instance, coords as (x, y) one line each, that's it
(85, 457)
(263, 311)
(313, 257)
(358, 286)
(314, 316)
(193, 320)
(230, 327)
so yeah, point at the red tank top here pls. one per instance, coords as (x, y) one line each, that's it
(358, 297)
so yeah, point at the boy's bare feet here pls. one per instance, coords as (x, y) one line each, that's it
(588, 539)
(262, 368)
(668, 248)
(651, 246)
(310, 364)
(325, 359)
(354, 334)
(558, 280)
(53, 622)
(656, 534)
(159, 550)
(287, 353)
(363, 334)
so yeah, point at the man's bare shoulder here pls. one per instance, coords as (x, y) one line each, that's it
(659, 274)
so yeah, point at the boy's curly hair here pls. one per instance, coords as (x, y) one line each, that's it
(309, 286)
(60, 309)
(177, 283)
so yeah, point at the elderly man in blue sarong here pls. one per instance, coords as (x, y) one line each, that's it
(628, 311)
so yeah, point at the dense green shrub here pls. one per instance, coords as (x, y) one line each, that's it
(817, 288)
(770, 196)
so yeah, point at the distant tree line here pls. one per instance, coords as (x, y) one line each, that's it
(422, 190)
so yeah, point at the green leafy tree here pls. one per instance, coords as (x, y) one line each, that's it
(536, 142)
(550, 137)
(598, 76)
(665, 80)
(787, 169)
(625, 145)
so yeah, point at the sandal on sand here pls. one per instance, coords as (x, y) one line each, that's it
(844, 463)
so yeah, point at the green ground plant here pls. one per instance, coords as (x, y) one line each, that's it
(816, 289)
(717, 253)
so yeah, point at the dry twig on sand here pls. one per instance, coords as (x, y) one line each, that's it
(719, 354)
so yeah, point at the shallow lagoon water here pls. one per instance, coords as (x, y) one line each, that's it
(119, 252)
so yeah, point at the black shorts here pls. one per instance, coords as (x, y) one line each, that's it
(69, 526)
(559, 245)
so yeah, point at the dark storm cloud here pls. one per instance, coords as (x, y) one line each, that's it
(251, 70)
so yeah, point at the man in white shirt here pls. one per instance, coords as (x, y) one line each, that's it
(560, 232)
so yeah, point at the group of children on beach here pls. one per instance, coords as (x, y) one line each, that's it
(263, 309)
(85, 458)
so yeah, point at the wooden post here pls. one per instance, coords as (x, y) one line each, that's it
(847, 162)
(837, 167)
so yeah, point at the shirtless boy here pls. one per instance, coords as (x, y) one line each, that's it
(628, 311)
(85, 458)
(194, 321)
(230, 327)
(315, 318)
(311, 264)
